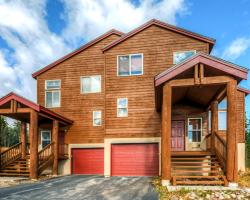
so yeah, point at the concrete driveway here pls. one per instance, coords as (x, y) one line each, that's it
(83, 187)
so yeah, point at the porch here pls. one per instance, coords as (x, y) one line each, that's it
(194, 152)
(30, 157)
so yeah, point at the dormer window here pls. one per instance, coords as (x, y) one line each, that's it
(183, 55)
(52, 93)
(130, 65)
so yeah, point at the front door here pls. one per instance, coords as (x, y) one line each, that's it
(177, 136)
(194, 134)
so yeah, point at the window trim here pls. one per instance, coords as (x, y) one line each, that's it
(201, 130)
(117, 108)
(52, 90)
(81, 87)
(52, 98)
(53, 80)
(117, 64)
(42, 131)
(93, 117)
(175, 52)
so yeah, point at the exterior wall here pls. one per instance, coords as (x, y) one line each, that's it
(240, 109)
(157, 46)
(74, 105)
(241, 157)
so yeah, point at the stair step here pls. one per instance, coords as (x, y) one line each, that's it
(198, 177)
(194, 162)
(191, 158)
(196, 171)
(200, 182)
(14, 171)
(14, 174)
(201, 166)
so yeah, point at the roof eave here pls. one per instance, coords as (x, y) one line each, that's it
(82, 48)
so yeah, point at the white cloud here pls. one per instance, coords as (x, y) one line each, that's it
(24, 28)
(237, 48)
(88, 18)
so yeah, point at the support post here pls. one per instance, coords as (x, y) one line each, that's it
(214, 119)
(166, 135)
(23, 139)
(232, 162)
(55, 146)
(33, 144)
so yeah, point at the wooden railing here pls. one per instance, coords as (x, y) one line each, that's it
(208, 141)
(45, 157)
(63, 151)
(10, 155)
(220, 149)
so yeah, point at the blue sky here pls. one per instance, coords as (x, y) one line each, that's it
(35, 33)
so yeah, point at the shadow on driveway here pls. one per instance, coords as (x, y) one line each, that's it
(84, 187)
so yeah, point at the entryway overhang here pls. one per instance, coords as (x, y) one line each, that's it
(199, 79)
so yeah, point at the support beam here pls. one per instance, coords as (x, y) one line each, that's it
(201, 73)
(232, 162)
(33, 145)
(23, 139)
(196, 75)
(55, 129)
(215, 80)
(214, 119)
(166, 134)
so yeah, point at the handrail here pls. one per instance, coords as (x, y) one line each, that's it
(220, 138)
(45, 154)
(208, 135)
(220, 147)
(11, 154)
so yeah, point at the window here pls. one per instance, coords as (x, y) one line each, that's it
(97, 118)
(52, 93)
(45, 138)
(129, 65)
(181, 56)
(91, 84)
(122, 107)
(222, 115)
(194, 129)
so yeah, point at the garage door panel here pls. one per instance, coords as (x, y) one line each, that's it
(88, 161)
(135, 160)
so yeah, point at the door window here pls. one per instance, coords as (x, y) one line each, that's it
(194, 129)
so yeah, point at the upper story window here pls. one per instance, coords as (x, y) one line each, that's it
(52, 93)
(183, 55)
(91, 84)
(129, 65)
(222, 115)
(97, 118)
(122, 107)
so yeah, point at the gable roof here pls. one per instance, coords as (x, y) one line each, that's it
(34, 106)
(214, 62)
(82, 48)
(163, 25)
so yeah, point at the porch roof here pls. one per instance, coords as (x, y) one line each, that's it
(29, 104)
(214, 65)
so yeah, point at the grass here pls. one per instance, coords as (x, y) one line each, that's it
(164, 194)
(244, 178)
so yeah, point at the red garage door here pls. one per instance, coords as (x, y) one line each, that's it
(88, 161)
(134, 160)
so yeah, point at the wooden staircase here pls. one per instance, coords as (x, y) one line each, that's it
(196, 168)
(19, 167)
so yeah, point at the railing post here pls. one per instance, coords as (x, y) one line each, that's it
(214, 119)
(55, 146)
(33, 144)
(23, 139)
